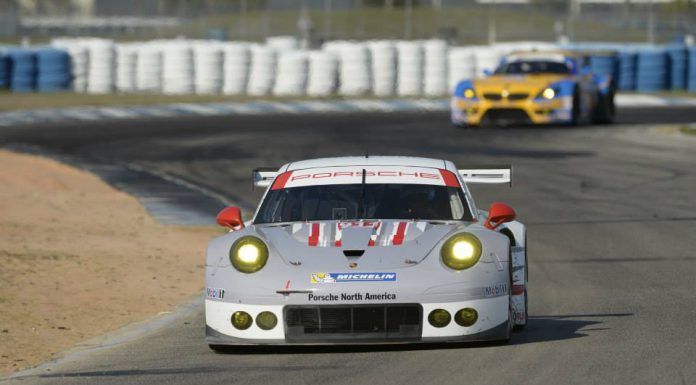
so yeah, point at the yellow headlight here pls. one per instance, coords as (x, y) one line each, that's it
(439, 318)
(461, 251)
(241, 320)
(249, 254)
(548, 93)
(469, 93)
(466, 317)
(266, 320)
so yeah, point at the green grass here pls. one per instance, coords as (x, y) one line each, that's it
(688, 130)
(29, 101)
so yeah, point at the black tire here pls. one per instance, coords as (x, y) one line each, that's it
(464, 126)
(605, 111)
(526, 296)
(219, 348)
(575, 113)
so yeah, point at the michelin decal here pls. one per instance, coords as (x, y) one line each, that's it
(352, 277)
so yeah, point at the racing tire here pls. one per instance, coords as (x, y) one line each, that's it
(526, 282)
(605, 111)
(526, 312)
(511, 320)
(575, 112)
(219, 349)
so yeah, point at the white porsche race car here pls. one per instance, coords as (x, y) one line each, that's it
(367, 250)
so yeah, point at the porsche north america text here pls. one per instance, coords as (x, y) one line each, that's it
(351, 297)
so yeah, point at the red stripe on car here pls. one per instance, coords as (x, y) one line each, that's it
(400, 233)
(517, 289)
(449, 178)
(281, 180)
(314, 235)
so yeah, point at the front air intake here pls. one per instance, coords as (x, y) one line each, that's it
(397, 322)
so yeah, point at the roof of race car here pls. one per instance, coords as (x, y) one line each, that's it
(404, 161)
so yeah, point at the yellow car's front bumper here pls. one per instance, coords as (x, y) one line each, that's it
(535, 111)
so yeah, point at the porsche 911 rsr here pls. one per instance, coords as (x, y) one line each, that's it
(367, 250)
(536, 88)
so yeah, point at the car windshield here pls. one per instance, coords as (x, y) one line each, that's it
(533, 67)
(368, 201)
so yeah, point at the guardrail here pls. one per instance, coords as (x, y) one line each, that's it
(279, 67)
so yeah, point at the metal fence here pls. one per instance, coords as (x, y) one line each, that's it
(460, 21)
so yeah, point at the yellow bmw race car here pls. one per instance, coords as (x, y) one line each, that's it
(536, 88)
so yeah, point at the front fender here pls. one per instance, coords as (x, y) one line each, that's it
(461, 86)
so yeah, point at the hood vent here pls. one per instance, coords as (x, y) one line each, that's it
(353, 253)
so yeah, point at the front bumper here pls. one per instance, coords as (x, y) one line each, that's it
(535, 111)
(492, 324)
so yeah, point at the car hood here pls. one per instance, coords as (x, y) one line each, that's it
(367, 244)
(516, 84)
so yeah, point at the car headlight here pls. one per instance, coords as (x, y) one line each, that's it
(461, 251)
(548, 93)
(241, 320)
(469, 93)
(248, 254)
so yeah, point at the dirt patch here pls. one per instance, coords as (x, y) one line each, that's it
(80, 258)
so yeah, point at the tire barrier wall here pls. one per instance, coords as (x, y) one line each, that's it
(4, 70)
(53, 70)
(280, 67)
(692, 70)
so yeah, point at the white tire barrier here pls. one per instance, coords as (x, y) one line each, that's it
(208, 67)
(355, 77)
(410, 68)
(235, 69)
(262, 74)
(126, 59)
(435, 68)
(323, 74)
(148, 72)
(384, 70)
(177, 68)
(101, 68)
(291, 76)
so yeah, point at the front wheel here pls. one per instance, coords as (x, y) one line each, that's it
(219, 348)
(576, 111)
(605, 111)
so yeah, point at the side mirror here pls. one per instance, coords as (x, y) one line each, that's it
(230, 217)
(487, 72)
(498, 214)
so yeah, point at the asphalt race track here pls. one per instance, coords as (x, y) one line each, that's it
(610, 213)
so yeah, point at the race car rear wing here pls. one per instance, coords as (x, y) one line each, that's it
(263, 177)
(500, 174)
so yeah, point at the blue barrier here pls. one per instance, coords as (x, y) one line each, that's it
(626, 63)
(23, 70)
(53, 68)
(652, 72)
(603, 64)
(4, 70)
(692, 70)
(678, 63)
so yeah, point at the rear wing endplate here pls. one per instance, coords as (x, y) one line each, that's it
(499, 174)
(263, 177)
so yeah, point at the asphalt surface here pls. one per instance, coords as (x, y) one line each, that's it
(610, 214)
